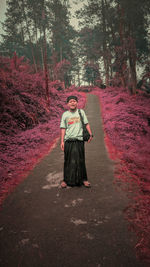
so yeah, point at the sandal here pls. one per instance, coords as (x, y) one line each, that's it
(86, 184)
(63, 185)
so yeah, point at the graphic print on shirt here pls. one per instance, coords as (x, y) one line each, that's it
(73, 120)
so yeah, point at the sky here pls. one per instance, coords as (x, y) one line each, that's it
(2, 12)
(75, 5)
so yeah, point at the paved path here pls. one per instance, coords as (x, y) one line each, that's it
(42, 225)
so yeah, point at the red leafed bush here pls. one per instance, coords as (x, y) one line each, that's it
(22, 103)
(126, 121)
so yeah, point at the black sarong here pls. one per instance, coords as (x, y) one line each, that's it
(74, 163)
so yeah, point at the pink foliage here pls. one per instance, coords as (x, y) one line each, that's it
(57, 84)
(22, 103)
(126, 122)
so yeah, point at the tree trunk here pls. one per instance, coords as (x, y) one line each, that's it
(105, 56)
(29, 35)
(132, 58)
(122, 38)
(79, 78)
(60, 52)
(45, 60)
(42, 58)
(132, 62)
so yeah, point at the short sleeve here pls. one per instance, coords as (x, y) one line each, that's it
(63, 122)
(85, 120)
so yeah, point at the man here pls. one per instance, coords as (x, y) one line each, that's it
(73, 145)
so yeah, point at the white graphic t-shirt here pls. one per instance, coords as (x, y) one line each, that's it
(72, 123)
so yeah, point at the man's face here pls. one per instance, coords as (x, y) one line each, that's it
(72, 104)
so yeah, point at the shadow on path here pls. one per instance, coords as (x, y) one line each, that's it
(44, 225)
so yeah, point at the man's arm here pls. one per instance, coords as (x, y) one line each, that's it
(90, 132)
(62, 133)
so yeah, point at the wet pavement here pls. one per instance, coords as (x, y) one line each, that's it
(42, 225)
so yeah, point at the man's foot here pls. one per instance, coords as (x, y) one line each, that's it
(63, 185)
(86, 184)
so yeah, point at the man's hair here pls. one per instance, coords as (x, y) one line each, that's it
(72, 97)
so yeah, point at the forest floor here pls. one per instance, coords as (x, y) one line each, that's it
(46, 226)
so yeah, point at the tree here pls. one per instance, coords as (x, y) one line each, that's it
(123, 27)
(91, 73)
(91, 43)
(62, 32)
(61, 71)
(13, 38)
(95, 20)
(39, 30)
(132, 21)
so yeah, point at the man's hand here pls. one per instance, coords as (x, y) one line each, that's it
(90, 139)
(90, 132)
(62, 146)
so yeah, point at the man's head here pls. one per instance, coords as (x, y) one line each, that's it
(72, 102)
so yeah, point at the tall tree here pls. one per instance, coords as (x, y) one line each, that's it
(123, 27)
(13, 37)
(134, 21)
(91, 73)
(95, 20)
(62, 32)
(45, 56)
(25, 30)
